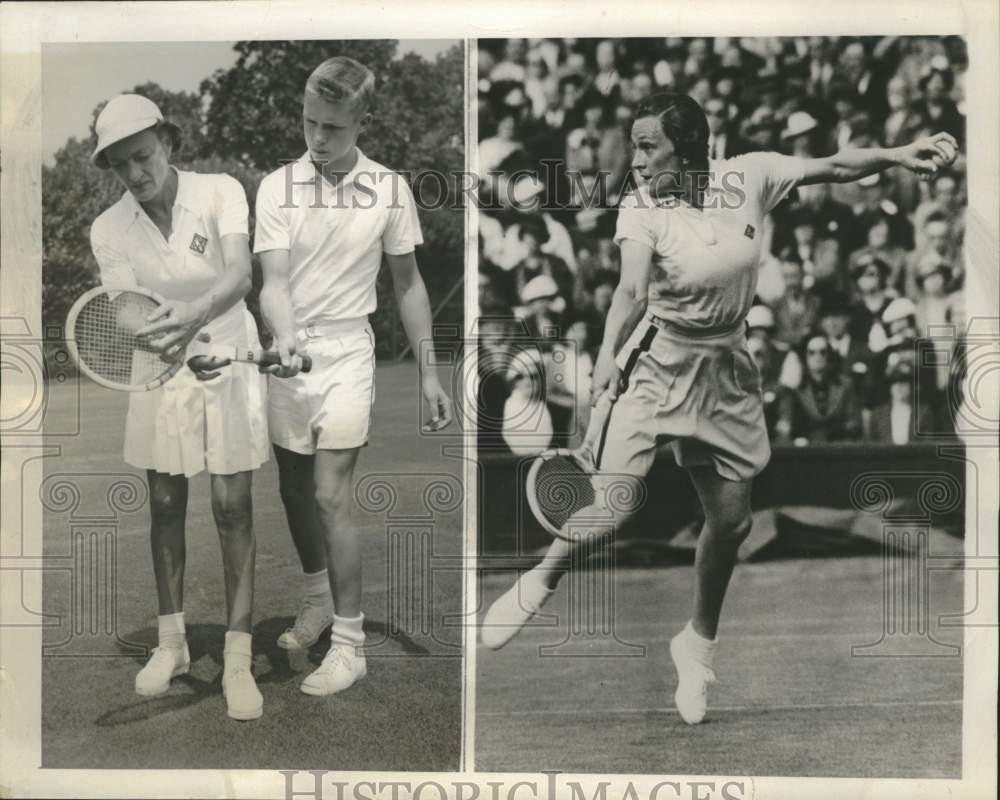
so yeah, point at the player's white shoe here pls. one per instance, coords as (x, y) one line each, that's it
(309, 626)
(243, 699)
(342, 667)
(693, 680)
(164, 664)
(514, 609)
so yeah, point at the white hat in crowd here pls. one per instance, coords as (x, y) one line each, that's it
(799, 122)
(760, 316)
(539, 288)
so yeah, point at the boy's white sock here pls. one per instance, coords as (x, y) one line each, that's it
(171, 630)
(348, 630)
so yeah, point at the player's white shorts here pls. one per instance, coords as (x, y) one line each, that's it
(702, 394)
(330, 407)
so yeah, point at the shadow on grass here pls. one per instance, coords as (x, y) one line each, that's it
(273, 665)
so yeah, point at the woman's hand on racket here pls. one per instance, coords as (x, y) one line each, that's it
(172, 326)
(607, 378)
(439, 403)
(927, 155)
(291, 360)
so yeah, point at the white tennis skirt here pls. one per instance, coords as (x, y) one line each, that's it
(188, 426)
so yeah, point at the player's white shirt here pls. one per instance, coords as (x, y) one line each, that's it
(130, 249)
(704, 271)
(335, 234)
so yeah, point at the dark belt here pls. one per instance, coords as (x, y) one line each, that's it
(694, 333)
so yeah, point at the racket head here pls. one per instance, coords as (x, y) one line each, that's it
(559, 484)
(100, 337)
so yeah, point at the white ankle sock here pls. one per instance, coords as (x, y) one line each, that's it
(704, 649)
(171, 630)
(317, 587)
(348, 630)
(239, 648)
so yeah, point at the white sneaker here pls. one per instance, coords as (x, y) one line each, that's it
(693, 679)
(342, 667)
(309, 626)
(513, 610)
(164, 664)
(243, 698)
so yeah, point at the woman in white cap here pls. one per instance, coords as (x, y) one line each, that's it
(675, 360)
(184, 235)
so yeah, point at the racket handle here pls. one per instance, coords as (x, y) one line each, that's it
(269, 358)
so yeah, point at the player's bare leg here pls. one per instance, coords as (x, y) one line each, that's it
(727, 523)
(296, 479)
(298, 491)
(232, 508)
(168, 495)
(518, 605)
(344, 663)
(233, 511)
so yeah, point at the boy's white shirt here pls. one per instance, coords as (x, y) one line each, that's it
(335, 234)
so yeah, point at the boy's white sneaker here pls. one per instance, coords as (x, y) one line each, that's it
(693, 680)
(164, 664)
(513, 610)
(309, 626)
(342, 667)
(243, 699)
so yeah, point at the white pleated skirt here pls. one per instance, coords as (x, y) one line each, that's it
(188, 426)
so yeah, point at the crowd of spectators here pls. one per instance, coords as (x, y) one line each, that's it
(856, 278)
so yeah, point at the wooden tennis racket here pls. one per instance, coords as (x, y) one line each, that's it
(101, 330)
(559, 481)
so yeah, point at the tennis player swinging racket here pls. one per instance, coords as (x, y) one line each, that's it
(183, 236)
(674, 354)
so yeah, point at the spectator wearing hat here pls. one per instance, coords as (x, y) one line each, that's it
(899, 321)
(542, 308)
(824, 408)
(869, 276)
(851, 354)
(797, 137)
(796, 311)
(937, 308)
(900, 419)
(532, 234)
(782, 365)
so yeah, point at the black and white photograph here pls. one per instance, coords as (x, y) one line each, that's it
(722, 289)
(247, 288)
(434, 400)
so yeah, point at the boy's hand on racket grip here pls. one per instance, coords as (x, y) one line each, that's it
(439, 402)
(290, 363)
(607, 377)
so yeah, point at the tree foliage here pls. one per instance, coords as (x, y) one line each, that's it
(245, 121)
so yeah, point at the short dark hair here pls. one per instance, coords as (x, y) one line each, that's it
(683, 122)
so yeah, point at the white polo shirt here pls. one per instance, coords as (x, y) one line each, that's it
(704, 272)
(335, 234)
(130, 249)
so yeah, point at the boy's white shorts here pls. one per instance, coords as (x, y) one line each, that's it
(329, 407)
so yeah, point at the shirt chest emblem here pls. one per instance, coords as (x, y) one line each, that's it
(749, 231)
(198, 243)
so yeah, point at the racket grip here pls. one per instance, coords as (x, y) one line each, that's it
(269, 357)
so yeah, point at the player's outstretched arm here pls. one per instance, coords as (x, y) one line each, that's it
(415, 312)
(924, 157)
(276, 308)
(628, 304)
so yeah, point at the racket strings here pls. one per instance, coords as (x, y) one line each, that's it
(105, 337)
(562, 488)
